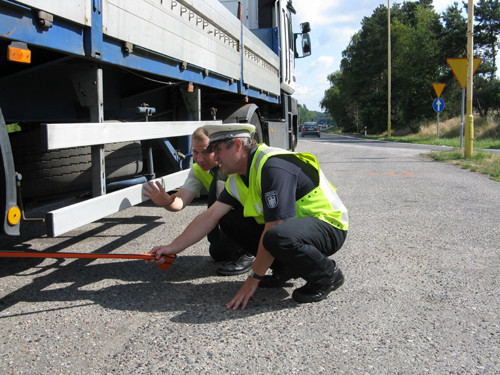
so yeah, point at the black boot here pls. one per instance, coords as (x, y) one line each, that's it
(278, 279)
(315, 292)
(236, 267)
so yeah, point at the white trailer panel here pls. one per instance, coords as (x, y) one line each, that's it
(202, 33)
(90, 134)
(207, 37)
(260, 65)
(75, 10)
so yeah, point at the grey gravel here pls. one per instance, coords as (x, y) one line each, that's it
(421, 295)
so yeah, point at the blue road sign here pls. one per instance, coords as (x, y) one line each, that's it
(438, 105)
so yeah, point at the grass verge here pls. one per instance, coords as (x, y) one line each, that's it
(486, 138)
(487, 163)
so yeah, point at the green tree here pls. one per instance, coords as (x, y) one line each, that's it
(422, 40)
(364, 70)
(486, 34)
(337, 105)
(304, 114)
(486, 43)
(415, 65)
(486, 95)
(453, 39)
(453, 44)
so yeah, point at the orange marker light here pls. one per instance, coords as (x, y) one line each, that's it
(13, 215)
(20, 55)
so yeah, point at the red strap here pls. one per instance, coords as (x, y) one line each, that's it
(169, 259)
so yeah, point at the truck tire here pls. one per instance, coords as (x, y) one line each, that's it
(48, 173)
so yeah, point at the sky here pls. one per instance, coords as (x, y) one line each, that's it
(333, 23)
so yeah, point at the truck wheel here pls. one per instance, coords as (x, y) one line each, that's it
(67, 170)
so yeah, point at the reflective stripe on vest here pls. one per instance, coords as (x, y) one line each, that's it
(322, 202)
(205, 177)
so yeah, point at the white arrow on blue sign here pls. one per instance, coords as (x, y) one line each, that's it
(438, 105)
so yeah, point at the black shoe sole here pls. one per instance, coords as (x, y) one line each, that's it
(234, 273)
(339, 280)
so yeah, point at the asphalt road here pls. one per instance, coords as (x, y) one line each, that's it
(421, 295)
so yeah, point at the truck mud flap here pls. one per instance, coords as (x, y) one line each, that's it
(249, 113)
(8, 193)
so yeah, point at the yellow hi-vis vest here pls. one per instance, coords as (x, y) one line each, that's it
(205, 177)
(322, 202)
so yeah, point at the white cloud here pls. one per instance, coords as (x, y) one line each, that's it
(323, 62)
(441, 5)
(312, 81)
(301, 91)
(316, 12)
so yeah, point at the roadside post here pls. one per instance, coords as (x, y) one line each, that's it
(459, 69)
(438, 103)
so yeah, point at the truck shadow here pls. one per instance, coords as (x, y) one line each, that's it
(189, 287)
(12, 266)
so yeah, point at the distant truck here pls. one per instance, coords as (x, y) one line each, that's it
(98, 96)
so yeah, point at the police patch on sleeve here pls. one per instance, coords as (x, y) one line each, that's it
(271, 199)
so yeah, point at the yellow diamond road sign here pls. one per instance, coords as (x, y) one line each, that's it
(439, 87)
(459, 68)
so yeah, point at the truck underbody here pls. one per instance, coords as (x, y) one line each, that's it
(94, 117)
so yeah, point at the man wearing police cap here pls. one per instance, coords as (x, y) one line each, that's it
(298, 219)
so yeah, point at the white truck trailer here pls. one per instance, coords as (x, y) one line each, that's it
(99, 96)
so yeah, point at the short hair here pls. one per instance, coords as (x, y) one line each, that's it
(200, 134)
(246, 143)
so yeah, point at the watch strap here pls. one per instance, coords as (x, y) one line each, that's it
(255, 276)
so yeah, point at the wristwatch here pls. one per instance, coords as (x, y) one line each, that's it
(253, 275)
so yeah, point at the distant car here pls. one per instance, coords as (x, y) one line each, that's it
(310, 128)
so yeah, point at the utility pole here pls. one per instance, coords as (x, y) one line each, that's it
(389, 68)
(469, 118)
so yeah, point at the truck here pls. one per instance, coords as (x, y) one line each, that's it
(99, 96)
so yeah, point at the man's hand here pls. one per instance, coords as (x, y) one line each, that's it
(244, 294)
(158, 251)
(158, 194)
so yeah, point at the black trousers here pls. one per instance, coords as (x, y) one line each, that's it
(302, 245)
(222, 246)
(242, 230)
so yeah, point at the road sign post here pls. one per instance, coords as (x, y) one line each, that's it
(438, 87)
(438, 105)
(459, 68)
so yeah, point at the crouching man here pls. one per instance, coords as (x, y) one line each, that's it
(299, 220)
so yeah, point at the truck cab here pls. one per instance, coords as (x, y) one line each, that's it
(271, 21)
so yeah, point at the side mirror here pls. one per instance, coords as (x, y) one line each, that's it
(305, 44)
(305, 41)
